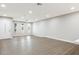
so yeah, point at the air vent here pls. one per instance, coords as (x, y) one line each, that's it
(39, 4)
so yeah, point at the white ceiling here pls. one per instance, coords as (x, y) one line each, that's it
(46, 10)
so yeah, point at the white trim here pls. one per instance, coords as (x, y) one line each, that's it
(1, 38)
(59, 39)
(63, 40)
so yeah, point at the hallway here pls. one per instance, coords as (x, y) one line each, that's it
(32, 45)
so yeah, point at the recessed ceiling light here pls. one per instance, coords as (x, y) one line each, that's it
(3, 5)
(36, 19)
(4, 14)
(22, 17)
(30, 12)
(47, 16)
(72, 8)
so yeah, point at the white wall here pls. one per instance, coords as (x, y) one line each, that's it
(5, 28)
(64, 27)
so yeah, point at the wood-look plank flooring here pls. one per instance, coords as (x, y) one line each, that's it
(32, 45)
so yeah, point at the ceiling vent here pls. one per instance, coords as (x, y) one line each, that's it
(39, 4)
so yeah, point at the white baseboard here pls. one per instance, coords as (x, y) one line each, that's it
(1, 38)
(59, 39)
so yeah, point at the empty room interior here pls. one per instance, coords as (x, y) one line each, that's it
(39, 28)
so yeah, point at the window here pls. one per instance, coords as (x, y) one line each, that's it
(22, 26)
(15, 27)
